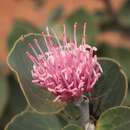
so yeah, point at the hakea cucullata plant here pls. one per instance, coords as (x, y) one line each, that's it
(66, 70)
(66, 86)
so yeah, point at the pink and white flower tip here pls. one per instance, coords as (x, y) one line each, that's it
(65, 69)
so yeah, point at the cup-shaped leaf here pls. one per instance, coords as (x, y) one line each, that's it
(30, 120)
(39, 99)
(111, 89)
(117, 118)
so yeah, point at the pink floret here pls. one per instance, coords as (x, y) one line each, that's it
(66, 70)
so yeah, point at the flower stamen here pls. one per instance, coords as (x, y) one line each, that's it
(75, 30)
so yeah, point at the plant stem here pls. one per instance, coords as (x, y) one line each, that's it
(83, 105)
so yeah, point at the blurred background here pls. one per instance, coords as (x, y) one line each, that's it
(108, 28)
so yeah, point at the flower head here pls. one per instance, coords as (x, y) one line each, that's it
(66, 69)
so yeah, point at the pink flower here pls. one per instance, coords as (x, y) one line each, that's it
(66, 69)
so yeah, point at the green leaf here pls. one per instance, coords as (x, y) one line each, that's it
(117, 118)
(72, 127)
(30, 120)
(39, 99)
(19, 28)
(111, 89)
(81, 16)
(3, 94)
(119, 54)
